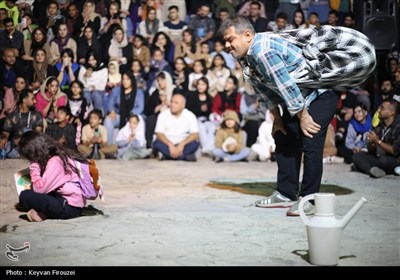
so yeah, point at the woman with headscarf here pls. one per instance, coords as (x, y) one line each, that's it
(90, 17)
(39, 70)
(149, 27)
(38, 41)
(62, 41)
(124, 100)
(158, 101)
(49, 98)
(120, 49)
(109, 22)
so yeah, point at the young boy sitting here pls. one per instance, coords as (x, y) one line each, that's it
(93, 133)
(62, 131)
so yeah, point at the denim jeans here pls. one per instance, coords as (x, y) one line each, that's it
(97, 96)
(244, 153)
(189, 149)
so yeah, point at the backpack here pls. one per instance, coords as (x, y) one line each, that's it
(89, 180)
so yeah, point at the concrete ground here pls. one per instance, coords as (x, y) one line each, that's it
(162, 213)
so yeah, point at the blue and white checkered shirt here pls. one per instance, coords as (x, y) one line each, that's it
(292, 68)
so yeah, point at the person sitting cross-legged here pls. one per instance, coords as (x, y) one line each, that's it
(177, 132)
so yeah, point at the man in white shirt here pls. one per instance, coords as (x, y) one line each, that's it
(177, 132)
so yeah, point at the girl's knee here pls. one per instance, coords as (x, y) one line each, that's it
(24, 197)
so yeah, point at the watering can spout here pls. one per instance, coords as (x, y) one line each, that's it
(346, 219)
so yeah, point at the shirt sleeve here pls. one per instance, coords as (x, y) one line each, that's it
(273, 66)
(49, 181)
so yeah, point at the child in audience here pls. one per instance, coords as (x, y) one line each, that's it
(114, 80)
(95, 133)
(78, 107)
(61, 131)
(55, 192)
(264, 147)
(229, 140)
(131, 141)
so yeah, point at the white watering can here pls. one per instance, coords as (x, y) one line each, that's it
(324, 230)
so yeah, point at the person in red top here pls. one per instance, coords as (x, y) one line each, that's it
(229, 99)
(49, 98)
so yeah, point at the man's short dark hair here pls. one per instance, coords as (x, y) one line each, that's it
(96, 112)
(8, 20)
(223, 10)
(349, 14)
(256, 3)
(334, 12)
(24, 94)
(282, 15)
(64, 109)
(173, 7)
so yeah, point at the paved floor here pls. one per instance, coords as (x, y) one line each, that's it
(162, 213)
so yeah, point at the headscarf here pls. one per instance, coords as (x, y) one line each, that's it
(114, 78)
(115, 48)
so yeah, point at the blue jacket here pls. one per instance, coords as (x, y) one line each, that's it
(115, 99)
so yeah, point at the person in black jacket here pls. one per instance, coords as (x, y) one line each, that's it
(61, 131)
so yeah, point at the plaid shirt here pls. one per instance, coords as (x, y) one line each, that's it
(292, 68)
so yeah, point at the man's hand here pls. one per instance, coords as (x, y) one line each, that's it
(307, 124)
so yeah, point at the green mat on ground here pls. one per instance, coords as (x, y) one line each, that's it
(264, 186)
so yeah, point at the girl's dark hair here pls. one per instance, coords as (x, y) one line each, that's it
(35, 45)
(203, 63)
(141, 38)
(69, 52)
(79, 83)
(234, 80)
(303, 18)
(236, 128)
(98, 60)
(204, 80)
(38, 50)
(223, 61)
(133, 81)
(38, 147)
(193, 45)
(93, 31)
(361, 105)
(24, 78)
(138, 61)
(168, 44)
(50, 80)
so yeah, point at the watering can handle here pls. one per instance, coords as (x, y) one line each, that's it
(301, 207)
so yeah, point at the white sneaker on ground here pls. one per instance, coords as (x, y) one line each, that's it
(275, 200)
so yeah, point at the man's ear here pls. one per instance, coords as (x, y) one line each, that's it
(248, 35)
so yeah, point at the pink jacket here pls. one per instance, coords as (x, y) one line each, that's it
(55, 179)
(9, 103)
(41, 102)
